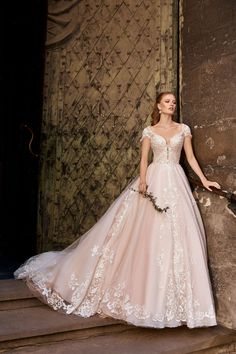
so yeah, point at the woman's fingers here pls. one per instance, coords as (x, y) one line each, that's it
(143, 187)
(208, 184)
(217, 185)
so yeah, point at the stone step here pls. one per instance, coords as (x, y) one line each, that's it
(27, 328)
(179, 340)
(30, 326)
(15, 294)
(27, 321)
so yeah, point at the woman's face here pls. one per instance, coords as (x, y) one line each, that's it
(167, 104)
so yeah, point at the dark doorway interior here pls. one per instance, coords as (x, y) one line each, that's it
(21, 76)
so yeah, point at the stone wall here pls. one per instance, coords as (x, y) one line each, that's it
(105, 60)
(208, 97)
(221, 349)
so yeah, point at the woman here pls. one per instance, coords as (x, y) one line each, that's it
(141, 262)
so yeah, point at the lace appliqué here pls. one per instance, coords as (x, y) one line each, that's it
(119, 305)
(160, 260)
(145, 133)
(187, 130)
(86, 294)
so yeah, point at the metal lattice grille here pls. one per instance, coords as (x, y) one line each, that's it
(100, 85)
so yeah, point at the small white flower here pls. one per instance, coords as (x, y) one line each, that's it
(95, 251)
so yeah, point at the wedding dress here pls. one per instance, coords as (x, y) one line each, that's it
(136, 264)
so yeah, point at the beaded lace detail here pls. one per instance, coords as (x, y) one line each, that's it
(163, 152)
(107, 275)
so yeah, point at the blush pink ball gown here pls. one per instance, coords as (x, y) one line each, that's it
(136, 264)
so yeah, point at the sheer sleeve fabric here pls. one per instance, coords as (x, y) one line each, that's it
(145, 133)
(187, 130)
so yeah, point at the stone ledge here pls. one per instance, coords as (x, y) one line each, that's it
(43, 321)
(140, 340)
(11, 289)
(15, 294)
(40, 329)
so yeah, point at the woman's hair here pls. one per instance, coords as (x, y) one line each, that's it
(155, 113)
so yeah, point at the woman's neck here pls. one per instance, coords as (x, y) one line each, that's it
(165, 120)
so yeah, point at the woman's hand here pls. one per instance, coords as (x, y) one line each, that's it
(195, 166)
(142, 187)
(207, 184)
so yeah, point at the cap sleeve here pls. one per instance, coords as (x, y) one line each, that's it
(187, 130)
(145, 133)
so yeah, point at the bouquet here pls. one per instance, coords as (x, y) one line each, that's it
(152, 200)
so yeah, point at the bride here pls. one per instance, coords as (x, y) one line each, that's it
(145, 260)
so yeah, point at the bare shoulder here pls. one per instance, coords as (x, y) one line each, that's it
(177, 125)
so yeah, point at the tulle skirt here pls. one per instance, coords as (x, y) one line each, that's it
(135, 264)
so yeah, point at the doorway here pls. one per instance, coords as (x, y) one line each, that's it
(21, 75)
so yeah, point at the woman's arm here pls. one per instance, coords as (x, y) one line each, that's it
(144, 163)
(195, 166)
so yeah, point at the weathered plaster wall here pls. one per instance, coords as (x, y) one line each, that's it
(208, 94)
(104, 62)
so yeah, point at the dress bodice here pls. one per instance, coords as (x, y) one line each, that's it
(166, 151)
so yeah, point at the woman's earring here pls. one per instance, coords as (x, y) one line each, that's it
(159, 111)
